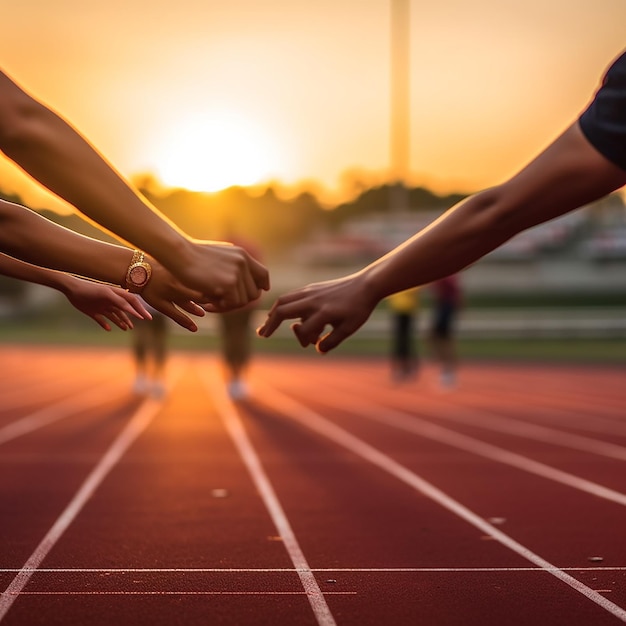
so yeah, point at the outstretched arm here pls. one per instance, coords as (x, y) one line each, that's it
(96, 300)
(57, 156)
(26, 235)
(568, 174)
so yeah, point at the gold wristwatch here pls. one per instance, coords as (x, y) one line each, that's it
(138, 273)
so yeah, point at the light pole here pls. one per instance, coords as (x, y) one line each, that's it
(400, 102)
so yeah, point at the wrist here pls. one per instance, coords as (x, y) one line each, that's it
(373, 285)
(172, 249)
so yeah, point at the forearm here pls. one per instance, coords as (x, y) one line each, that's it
(460, 237)
(567, 175)
(28, 236)
(34, 274)
(52, 152)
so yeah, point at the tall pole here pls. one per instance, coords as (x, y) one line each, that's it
(400, 100)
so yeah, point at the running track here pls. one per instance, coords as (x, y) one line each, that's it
(332, 496)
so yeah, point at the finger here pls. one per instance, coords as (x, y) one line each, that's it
(178, 316)
(296, 328)
(119, 318)
(281, 312)
(252, 290)
(101, 321)
(210, 308)
(270, 325)
(233, 299)
(136, 308)
(191, 307)
(332, 339)
(309, 331)
(260, 274)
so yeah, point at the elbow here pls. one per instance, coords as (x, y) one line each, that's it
(496, 210)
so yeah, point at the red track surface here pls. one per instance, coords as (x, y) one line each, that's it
(332, 496)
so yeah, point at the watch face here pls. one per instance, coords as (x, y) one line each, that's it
(138, 275)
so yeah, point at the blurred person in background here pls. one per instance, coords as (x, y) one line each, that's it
(58, 157)
(585, 163)
(237, 332)
(404, 308)
(150, 339)
(447, 301)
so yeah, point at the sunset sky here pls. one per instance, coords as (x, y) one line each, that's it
(207, 94)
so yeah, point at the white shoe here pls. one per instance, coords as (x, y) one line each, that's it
(158, 391)
(141, 386)
(237, 390)
(448, 379)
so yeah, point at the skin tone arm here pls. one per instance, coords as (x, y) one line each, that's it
(568, 174)
(96, 300)
(28, 236)
(58, 157)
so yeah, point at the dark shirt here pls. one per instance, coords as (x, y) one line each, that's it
(447, 291)
(604, 120)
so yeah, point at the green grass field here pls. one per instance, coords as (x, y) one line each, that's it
(70, 330)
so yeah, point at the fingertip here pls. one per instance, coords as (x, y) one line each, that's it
(295, 327)
(322, 348)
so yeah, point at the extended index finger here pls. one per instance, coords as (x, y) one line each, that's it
(281, 312)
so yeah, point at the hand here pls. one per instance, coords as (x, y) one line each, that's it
(227, 276)
(344, 303)
(102, 302)
(168, 295)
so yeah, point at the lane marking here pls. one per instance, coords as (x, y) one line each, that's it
(53, 413)
(493, 421)
(181, 593)
(423, 428)
(287, 570)
(315, 422)
(230, 417)
(138, 423)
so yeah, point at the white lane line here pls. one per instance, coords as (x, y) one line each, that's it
(424, 428)
(283, 570)
(230, 417)
(314, 421)
(140, 420)
(490, 420)
(53, 413)
(181, 593)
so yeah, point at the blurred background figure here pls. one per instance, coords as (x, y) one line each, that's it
(150, 353)
(447, 300)
(237, 333)
(404, 307)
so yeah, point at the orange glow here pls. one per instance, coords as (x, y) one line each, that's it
(209, 94)
(213, 152)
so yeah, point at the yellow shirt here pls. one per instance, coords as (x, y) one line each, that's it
(404, 301)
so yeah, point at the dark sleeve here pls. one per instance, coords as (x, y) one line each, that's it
(604, 121)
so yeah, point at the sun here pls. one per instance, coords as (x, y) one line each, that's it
(213, 152)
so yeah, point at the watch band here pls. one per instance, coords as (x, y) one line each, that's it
(138, 273)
